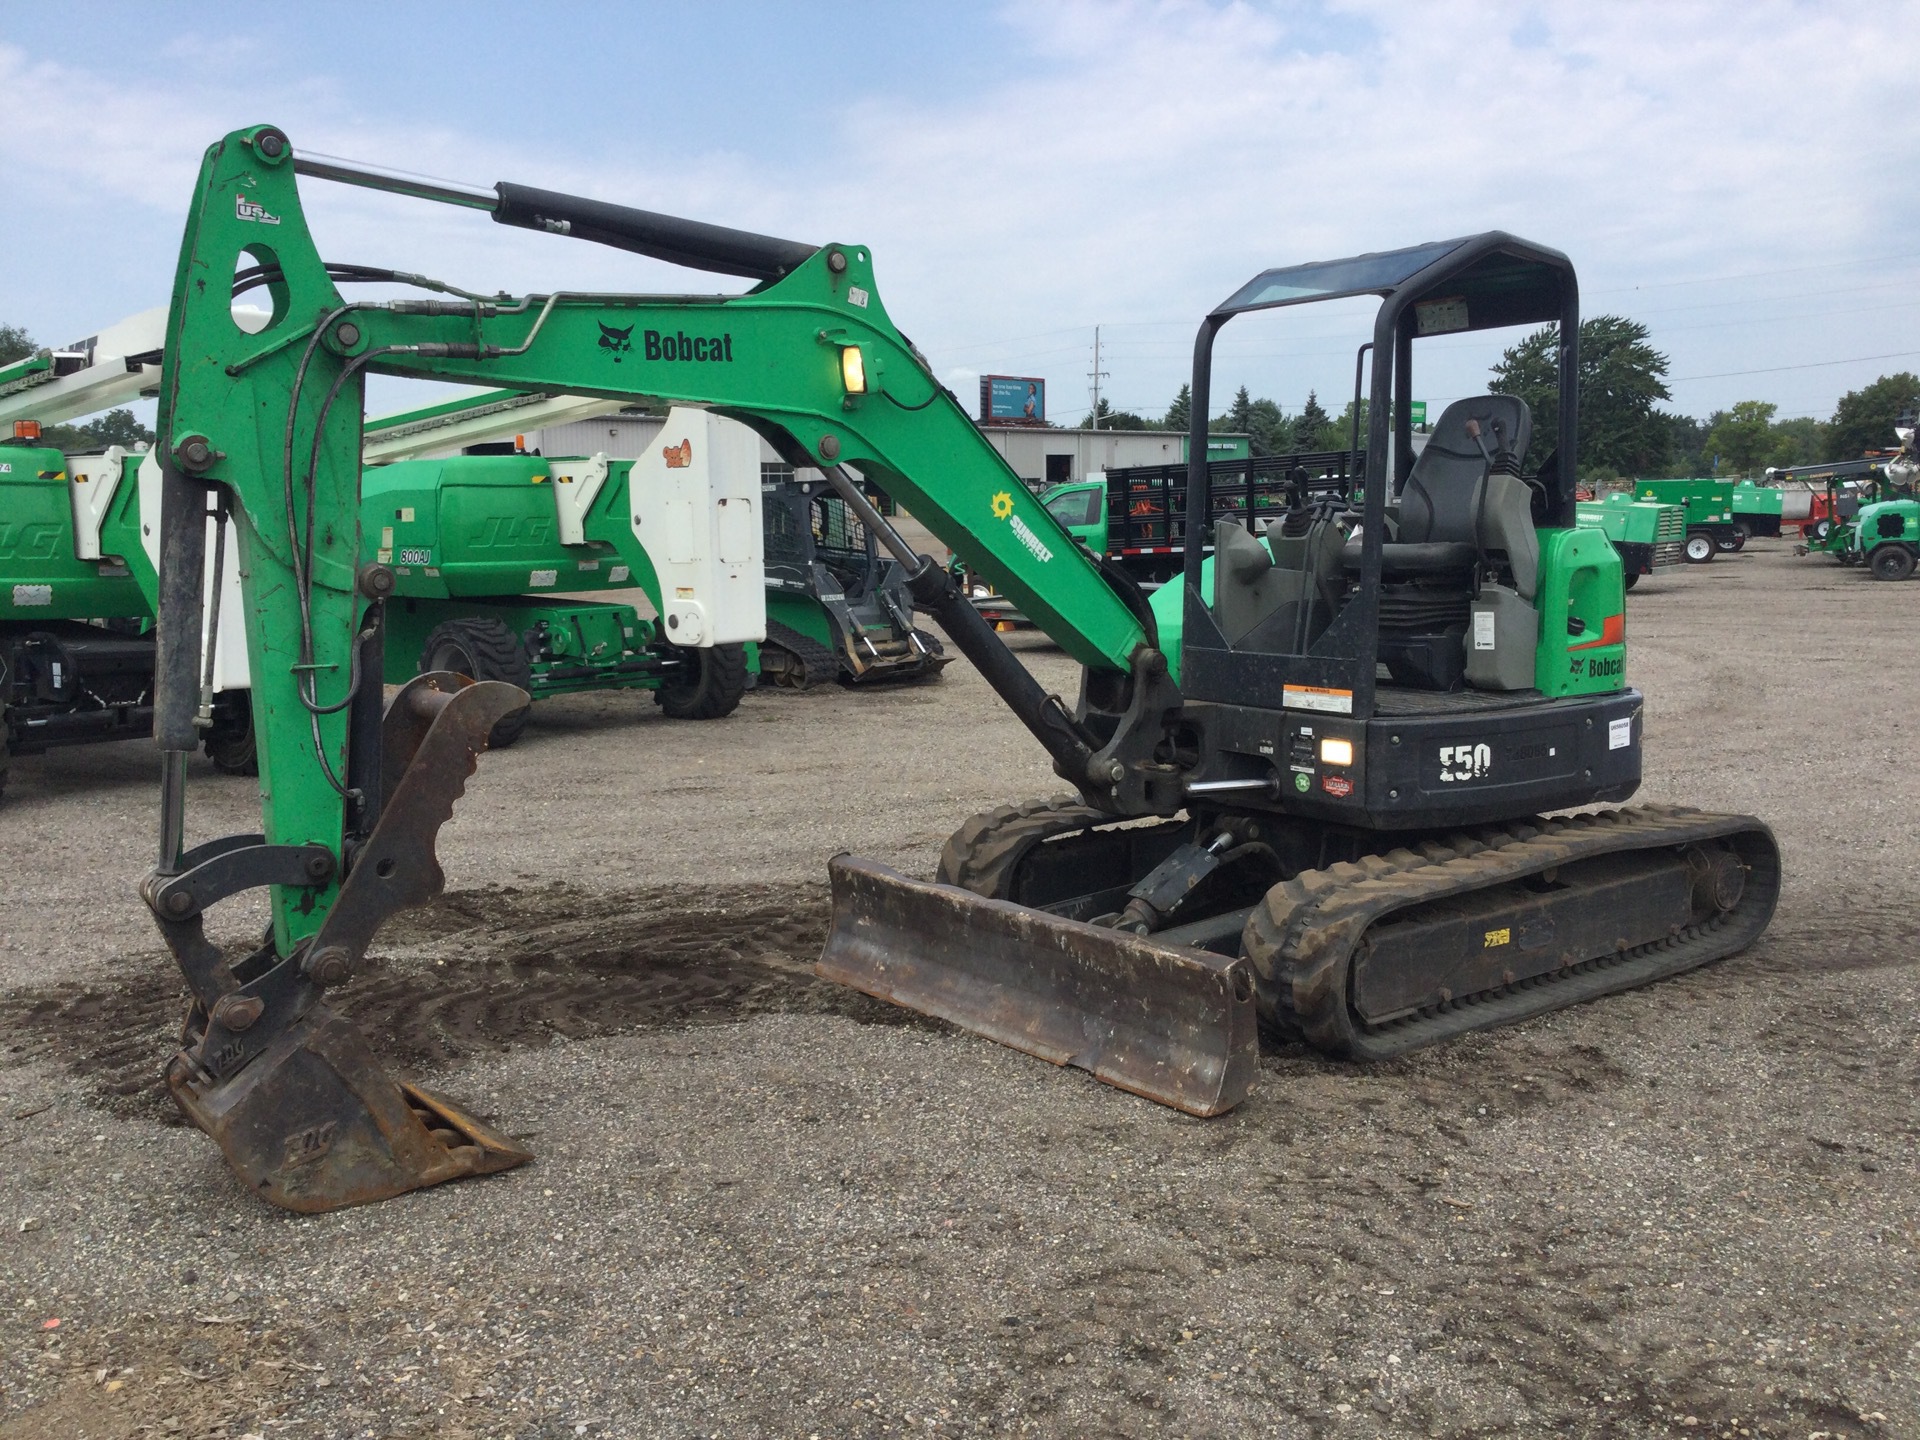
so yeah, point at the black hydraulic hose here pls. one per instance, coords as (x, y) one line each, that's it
(693, 243)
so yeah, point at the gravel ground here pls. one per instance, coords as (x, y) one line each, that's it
(765, 1206)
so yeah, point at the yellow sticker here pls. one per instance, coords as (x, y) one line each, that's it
(1498, 937)
(1002, 505)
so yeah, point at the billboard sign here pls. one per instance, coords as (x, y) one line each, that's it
(1013, 399)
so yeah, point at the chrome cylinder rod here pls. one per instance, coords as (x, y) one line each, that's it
(397, 182)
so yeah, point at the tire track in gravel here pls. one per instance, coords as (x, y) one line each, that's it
(481, 972)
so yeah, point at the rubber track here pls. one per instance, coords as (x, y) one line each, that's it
(981, 855)
(1301, 938)
(818, 664)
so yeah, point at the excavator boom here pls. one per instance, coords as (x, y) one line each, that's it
(263, 425)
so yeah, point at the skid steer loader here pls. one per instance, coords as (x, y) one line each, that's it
(1308, 779)
(836, 607)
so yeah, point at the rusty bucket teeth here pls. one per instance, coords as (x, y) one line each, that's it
(315, 1123)
(1169, 1023)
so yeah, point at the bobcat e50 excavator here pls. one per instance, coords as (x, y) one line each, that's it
(1265, 829)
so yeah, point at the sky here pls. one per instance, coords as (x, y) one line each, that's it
(1738, 177)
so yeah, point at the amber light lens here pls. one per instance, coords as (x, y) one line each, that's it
(1336, 752)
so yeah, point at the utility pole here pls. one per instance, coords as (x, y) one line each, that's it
(1096, 375)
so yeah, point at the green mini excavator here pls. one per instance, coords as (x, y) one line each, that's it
(1308, 779)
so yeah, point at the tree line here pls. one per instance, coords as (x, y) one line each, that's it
(1623, 431)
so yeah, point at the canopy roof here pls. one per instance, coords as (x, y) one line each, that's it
(1477, 282)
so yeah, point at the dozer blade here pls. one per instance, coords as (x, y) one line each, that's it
(316, 1123)
(1169, 1023)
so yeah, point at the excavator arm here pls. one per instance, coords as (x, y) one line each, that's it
(267, 422)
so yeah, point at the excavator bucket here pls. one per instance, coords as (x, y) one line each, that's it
(1172, 1024)
(282, 1082)
(316, 1123)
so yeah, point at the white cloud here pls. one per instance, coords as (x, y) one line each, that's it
(1144, 160)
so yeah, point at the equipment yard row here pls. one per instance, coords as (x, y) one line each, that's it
(763, 1204)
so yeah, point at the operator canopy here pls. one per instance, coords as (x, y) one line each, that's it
(1478, 282)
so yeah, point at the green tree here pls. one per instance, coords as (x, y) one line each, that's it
(1742, 438)
(1335, 433)
(1800, 441)
(1180, 412)
(1112, 419)
(1266, 425)
(1863, 420)
(15, 344)
(1311, 420)
(1621, 376)
(116, 427)
(1239, 416)
(1271, 431)
(1687, 446)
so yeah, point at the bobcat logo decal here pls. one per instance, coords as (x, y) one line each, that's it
(616, 341)
(680, 456)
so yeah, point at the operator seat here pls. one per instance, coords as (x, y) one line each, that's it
(1455, 510)
(1465, 517)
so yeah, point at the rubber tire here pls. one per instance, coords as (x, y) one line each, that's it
(1742, 533)
(229, 744)
(707, 689)
(1631, 580)
(1891, 562)
(483, 649)
(1705, 543)
(1821, 529)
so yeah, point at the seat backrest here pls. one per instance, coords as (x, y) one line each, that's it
(1441, 499)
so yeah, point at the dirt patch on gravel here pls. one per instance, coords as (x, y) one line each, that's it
(485, 971)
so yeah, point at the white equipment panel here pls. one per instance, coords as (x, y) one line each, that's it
(695, 496)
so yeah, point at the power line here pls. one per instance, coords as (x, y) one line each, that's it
(1760, 274)
(1810, 365)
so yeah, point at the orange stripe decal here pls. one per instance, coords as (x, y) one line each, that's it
(1613, 631)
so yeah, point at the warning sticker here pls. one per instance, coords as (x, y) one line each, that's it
(1483, 630)
(1317, 697)
(1620, 733)
(617, 574)
(1337, 786)
(542, 577)
(24, 595)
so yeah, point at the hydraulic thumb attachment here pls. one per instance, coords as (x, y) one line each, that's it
(285, 1085)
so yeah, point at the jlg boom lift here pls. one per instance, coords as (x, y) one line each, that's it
(1345, 856)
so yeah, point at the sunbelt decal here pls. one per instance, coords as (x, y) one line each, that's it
(1003, 510)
